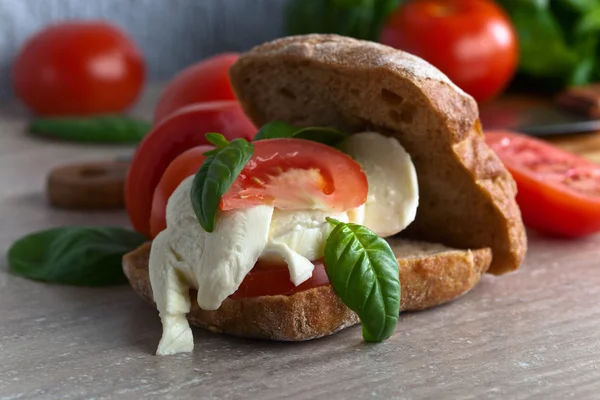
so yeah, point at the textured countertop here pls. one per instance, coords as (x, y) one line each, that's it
(532, 334)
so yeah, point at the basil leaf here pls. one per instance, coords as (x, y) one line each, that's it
(328, 136)
(215, 177)
(217, 139)
(536, 24)
(569, 30)
(361, 19)
(278, 129)
(211, 152)
(82, 256)
(275, 130)
(102, 129)
(364, 273)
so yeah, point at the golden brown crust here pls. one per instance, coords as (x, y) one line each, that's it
(430, 275)
(467, 197)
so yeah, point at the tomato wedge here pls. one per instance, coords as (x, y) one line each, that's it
(275, 280)
(297, 174)
(182, 130)
(186, 164)
(558, 192)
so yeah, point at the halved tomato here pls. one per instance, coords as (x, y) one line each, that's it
(186, 164)
(182, 130)
(558, 192)
(269, 280)
(297, 174)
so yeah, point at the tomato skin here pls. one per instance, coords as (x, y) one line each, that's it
(185, 165)
(182, 130)
(349, 186)
(79, 68)
(558, 192)
(340, 183)
(471, 41)
(207, 80)
(273, 281)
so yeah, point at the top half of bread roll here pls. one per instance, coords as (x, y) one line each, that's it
(467, 197)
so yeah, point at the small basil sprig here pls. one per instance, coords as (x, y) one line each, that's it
(364, 273)
(102, 129)
(82, 256)
(278, 129)
(216, 175)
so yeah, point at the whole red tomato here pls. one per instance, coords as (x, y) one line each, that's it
(471, 41)
(207, 80)
(78, 68)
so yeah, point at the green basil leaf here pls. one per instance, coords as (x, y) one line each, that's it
(217, 139)
(361, 19)
(102, 129)
(364, 273)
(82, 256)
(535, 24)
(328, 136)
(215, 177)
(278, 129)
(211, 152)
(275, 130)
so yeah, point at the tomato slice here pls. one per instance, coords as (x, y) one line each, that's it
(298, 174)
(182, 130)
(268, 280)
(186, 164)
(287, 173)
(558, 192)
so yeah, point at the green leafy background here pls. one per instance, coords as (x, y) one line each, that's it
(559, 39)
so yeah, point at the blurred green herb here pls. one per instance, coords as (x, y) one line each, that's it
(74, 255)
(101, 129)
(558, 40)
(361, 19)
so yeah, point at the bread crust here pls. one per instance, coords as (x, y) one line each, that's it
(467, 197)
(429, 274)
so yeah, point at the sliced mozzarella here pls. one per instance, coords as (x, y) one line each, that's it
(298, 237)
(184, 256)
(216, 263)
(393, 188)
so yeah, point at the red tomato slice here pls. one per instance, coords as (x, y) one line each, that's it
(182, 130)
(275, 280)
(297, 174)
(186, 164)
(558, 192)
(207, 80)
(287, 173)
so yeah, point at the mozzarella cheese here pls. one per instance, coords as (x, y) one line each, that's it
(393, 195)
(184, 256)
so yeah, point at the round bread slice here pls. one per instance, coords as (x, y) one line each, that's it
(467, 197)
(430, 274)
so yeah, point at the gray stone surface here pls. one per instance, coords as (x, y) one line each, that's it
(170, 33)
(532, 334)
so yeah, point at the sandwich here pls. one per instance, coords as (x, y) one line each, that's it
(411, 173)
